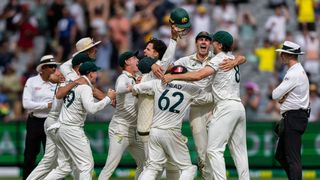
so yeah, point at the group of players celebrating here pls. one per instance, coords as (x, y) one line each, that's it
(151, 98)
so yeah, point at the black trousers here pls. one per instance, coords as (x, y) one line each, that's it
(34, 137)
(288, 152)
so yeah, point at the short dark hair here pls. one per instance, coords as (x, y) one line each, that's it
(159, 46)
(226, 48)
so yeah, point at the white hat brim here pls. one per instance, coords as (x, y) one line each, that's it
(38, 68)
(289, 52)
(92, 45)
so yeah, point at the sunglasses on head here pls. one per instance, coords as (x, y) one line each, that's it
(50, 66)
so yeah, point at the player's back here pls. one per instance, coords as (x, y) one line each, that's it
(172, 101)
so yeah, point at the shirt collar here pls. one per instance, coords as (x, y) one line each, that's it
(128, 74)
(293, 67)
(87, 79)
(207, 58)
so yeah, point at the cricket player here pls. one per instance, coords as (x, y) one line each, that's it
(49, 159)
(166, 141)
(228, 123)
(123, 125)
(199, 114)
(77, 104)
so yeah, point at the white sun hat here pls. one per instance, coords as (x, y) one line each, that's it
(290, 48)
(85, 44)
(47, 59)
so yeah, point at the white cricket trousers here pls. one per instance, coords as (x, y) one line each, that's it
(199, 118)
(228, 126)
(49, 159)
(76, 146)
(117, 145)
(164, 144)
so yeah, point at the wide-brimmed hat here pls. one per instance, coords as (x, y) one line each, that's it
(85, 44)
(290, 48)
(126, 55)
(47, 59)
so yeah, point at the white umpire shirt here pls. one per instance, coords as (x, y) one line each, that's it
(296, 84)
(37, 93)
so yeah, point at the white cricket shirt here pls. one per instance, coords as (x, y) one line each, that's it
(172, 101)
(225, 85)
(193, 64)
(125, 113)
(36, 96)
(68, 72)
(296, 84)
(78, 102)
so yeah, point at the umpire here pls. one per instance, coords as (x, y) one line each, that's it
(37, 99)
(293, 96)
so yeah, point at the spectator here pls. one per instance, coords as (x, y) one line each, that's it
(314, 103)
(12, 87)
(4, 105)
(143, 24)
(306, 14)
(54, 14)
(77, 12)
(266, 56)
(66, 33)
(120, 27)
(312, 61)
(276, 25)
(251, 100)
(247, 30)
(27, 28)
(201, 20)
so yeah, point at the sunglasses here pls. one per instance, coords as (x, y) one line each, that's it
(50, 66)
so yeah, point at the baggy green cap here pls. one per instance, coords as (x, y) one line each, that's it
(180, 18)
(88, 67)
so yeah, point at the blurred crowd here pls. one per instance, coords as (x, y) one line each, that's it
(30, 29)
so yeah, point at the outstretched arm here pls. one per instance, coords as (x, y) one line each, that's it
(190, 76)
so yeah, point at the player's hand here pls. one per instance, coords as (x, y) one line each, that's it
(157, 70)
(174, 33)
(80, 81)
(114, 103)
(167, 78)
(283, 99)
(129, 87)
(50, 105)
(138, 79)
(112, 94)
(98, 94)
(227, 64)
(54, 78)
